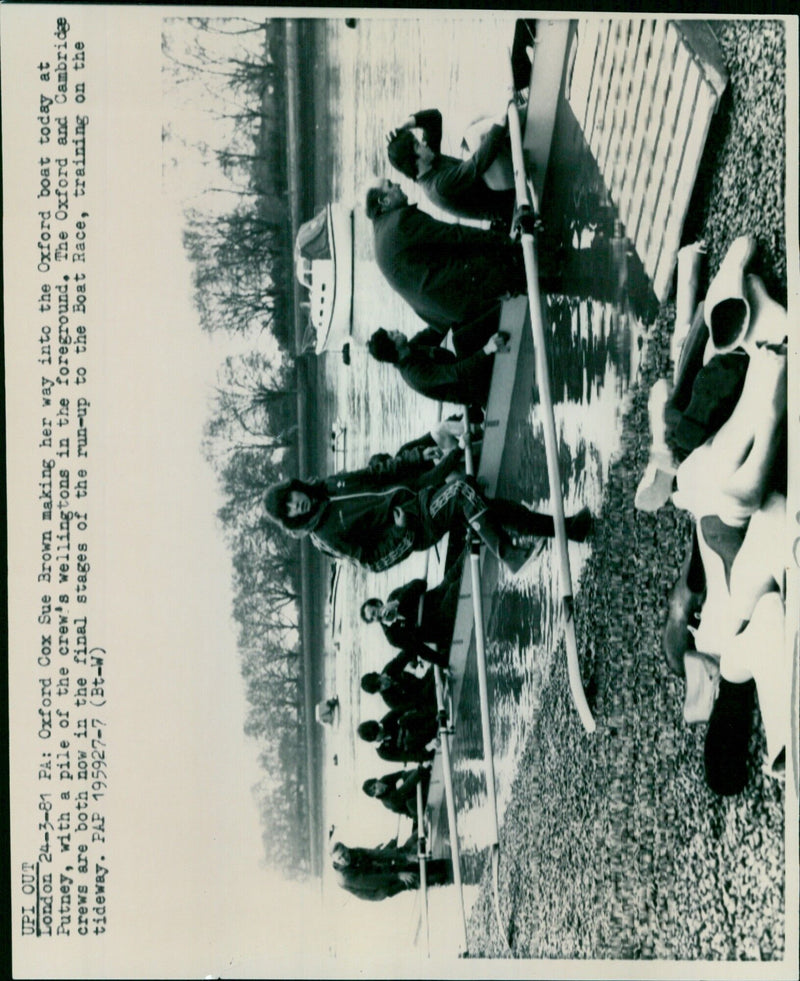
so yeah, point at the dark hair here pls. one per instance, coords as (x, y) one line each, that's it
(378, 461)
(382, 347)
(371, 682)
(374, 203)
(369, 730)
(402, 153)
(365, 605)
(276, 499)
(369, 787)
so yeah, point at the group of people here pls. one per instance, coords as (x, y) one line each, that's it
(454, 277)
(419, 622)
(720, 452)
(725, 415)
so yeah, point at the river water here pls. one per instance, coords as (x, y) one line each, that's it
(378, 74)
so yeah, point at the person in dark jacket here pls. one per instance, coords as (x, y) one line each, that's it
(378, 529)
(457, 186)
(403, 737)
(411, 466)
(449, 274)
(415, 617)
(398, 791)
(434, 371)
(422, 454)
(379, 873)
(400, 689)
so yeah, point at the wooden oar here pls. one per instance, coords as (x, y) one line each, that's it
(483, 691)
(422, 855)
(551, 443)
(447, 775)
(450, 800)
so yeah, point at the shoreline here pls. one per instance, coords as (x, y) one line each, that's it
(301, 45)
(613, 846)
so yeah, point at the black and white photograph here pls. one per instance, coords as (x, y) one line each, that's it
(402, 504)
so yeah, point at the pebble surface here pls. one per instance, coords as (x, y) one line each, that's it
(612, 845)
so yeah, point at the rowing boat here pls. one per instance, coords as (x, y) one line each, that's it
(513, 369)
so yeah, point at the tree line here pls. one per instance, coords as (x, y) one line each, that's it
(237, 238)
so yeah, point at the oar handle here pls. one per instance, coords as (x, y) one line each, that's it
(550, 438)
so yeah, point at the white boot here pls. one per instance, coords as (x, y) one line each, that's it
(768, 319)
(690, 259)
(727, 308)
(655, 486)
(702, 685)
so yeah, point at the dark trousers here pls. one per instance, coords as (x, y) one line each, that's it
(473, 335)
(439, 610)
(460, 501)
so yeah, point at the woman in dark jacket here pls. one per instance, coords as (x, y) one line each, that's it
(379, 528)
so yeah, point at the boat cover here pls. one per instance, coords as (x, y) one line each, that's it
(312, 238)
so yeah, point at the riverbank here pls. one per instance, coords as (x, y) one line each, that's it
(612, 846)
(306, 83)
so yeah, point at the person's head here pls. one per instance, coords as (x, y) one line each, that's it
(291, 503)
(384, 197)
(374, 788)
(371, 682)
(387, 345)
(403, 153)
(379, 460)
(410, 154)
(369, 731)
(340, 854)
(371, 610)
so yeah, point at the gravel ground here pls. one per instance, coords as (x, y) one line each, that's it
(613, 846)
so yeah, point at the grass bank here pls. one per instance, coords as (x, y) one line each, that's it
(612, 846)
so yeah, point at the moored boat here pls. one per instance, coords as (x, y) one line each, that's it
(323, 260)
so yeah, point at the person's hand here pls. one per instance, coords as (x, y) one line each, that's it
(399, 516)
(499, 342)
(408, 879)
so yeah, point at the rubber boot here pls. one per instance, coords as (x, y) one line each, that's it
(521, 524)
(491, 533)
(728, 736)
(768, 320)
(580, 525)
(655, 486)
(759, 652)
(727, 307)
(690, 259)
(684, 606)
